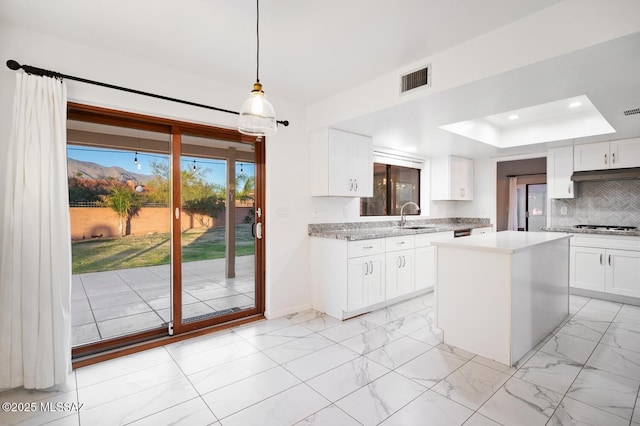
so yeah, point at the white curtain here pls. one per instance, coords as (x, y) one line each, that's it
(35, 267)
(512, 223)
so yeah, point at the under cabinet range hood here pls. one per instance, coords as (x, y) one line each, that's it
(611, 174)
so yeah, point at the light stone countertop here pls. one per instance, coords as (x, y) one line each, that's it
(356, 231)
(572, 230)
(503, 241)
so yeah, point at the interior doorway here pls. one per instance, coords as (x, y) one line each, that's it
(526, 172)
(531, 206)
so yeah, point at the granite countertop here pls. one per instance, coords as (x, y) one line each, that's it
(572, 230)
(355, 231)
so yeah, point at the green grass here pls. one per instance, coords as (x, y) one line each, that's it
(147, 250)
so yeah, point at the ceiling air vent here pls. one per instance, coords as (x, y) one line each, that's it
(632, 111)
(416, 79)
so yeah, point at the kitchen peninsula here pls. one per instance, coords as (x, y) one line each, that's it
(357, 267)
(499, 294)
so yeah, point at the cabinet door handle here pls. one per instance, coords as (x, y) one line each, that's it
(399, 262)
(404, 262)
(613, 158)
(371, 262)
(605, 159)
(366, 265)
(367, 247)
(609, 260)
(601, 258)
(400, 243)
(356, 184)
(350, 184)
(569, 189)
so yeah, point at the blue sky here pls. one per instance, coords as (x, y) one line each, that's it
(215, 170)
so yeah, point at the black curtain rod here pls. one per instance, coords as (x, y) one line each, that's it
(14, 65)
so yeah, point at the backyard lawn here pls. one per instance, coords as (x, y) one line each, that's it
(135, 251)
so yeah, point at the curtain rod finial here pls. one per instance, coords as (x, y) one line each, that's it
(14, 65)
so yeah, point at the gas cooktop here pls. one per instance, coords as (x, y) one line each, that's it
(607, 227)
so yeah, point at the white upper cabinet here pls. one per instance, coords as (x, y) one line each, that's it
(452, 178)
(341, 164)
(607, 155)
(559, 170)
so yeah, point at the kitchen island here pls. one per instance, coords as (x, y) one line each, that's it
(499, 294)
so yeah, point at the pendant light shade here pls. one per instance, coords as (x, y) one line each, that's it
(257, 116)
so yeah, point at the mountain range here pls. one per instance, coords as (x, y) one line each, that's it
(89, 170)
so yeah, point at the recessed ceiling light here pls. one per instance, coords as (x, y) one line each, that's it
(575, 104)
(513, 117)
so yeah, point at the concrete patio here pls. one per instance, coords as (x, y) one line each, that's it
(115, 303)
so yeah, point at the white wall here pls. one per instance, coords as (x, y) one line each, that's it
(287, 178)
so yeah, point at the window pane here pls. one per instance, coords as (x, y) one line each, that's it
(376, 205)
(405, 187)
(392, 187)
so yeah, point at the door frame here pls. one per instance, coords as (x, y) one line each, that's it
(175, 128)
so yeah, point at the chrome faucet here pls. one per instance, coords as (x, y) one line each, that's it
(403, 219)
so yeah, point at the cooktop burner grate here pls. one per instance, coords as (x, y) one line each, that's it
(607, 227)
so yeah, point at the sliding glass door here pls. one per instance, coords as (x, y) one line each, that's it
(163, 227)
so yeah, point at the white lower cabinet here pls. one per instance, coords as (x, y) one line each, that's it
(365, 284)
(399, 266)
(353, 277)
(606, 264)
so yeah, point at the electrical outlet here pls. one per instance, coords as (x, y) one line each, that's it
(563, 210)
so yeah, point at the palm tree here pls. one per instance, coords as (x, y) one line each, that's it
(123, 200)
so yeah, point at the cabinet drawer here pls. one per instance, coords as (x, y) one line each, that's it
(365, 247)
(606, 241)
(399, 243)
(424, 240)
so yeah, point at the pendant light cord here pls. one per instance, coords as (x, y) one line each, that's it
(257, 41)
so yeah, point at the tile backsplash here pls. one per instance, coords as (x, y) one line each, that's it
(615, 202)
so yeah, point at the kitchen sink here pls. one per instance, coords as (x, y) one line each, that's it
(416, 227)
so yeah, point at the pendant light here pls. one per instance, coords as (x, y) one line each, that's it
(257, 117)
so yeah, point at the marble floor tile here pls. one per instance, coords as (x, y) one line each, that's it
(410, 323)
(521, 403)
(135, 407)
(455, 351)
(320, 361)
(304, 316)
(471, 385)
(278, 337)
(480, 420)
(397, 352)
(417, 303)
(385, 316)
(576, 303)
(298, 348)
(616, 360)
(585, 329)
(225, 374)
(262, 327)
(37, 416)
(549, 371)
(569, 347)
(330, 415)
(203, 343)
(623, 335)
(636, 412)
(431, 367)
(430, 408)
(210, 358)
(190, 413)
(321, 323)
(129, 384)
(246, 392)
(431, 335)
(606, 391)
(371, 340)
(381, 398)
(346, 378)
(347, 329)
(285, 408)
(572, 412)
(478, 359)
(122, 366)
